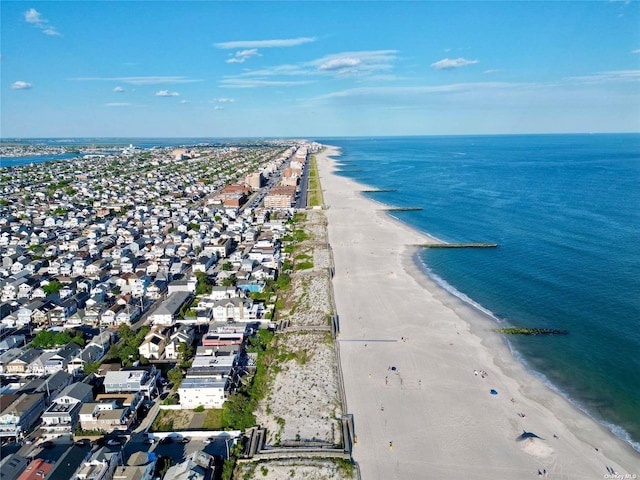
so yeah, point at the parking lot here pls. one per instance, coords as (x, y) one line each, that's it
(175, 450)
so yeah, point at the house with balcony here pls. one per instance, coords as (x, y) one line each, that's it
(236, 310)
(134, 380)
(106, 416)
(60, 419)
(19, 413)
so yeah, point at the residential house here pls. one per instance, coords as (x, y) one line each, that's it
(99, 466)
(19, 414)
(91, 353)
(207, 392)
(38, 469)
(167, 312)
(153, 345)
(60, 419)
(21, 364)
(10, 342)
(12, 465)
(59, 361)
(236, 310)
(51, 386)
(8, 356)
(196, 466)
(183, 335)
(134, 380)
(105, 416)
(62, 416)
(140, 466)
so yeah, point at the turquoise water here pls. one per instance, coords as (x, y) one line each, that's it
(565, 211)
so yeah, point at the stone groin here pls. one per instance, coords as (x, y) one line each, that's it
(459, 245)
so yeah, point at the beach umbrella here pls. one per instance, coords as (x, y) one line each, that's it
(493, 392)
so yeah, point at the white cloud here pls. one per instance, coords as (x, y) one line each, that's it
(184, 102)
(352, 63)
(20, 85)
(610, 76)
(339, 64)
(118, 104)
(33, 16)
(242, 55)
(224, 100)
(218, 107)
(36, 19)
(636, 50)
(52, 31)
(289, 42)
(150, 80)
(166, 93)
(494, 70)
(234, 82)
(451, 63)
(367, 64)
(119, 89)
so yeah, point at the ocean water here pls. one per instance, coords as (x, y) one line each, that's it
(565, 211)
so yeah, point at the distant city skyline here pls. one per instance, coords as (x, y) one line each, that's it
(318, 69)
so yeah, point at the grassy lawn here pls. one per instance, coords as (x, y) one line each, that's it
(169, 420)
(315, 192)
(213, 420)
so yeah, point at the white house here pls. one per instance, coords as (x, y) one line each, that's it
(208, 392)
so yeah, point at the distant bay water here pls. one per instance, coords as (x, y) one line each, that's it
(565, 211)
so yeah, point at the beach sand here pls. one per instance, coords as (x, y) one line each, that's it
(409, 350)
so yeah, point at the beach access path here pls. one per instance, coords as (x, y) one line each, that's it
(419, 367)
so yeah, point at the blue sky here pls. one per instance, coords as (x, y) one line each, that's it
(313, 69)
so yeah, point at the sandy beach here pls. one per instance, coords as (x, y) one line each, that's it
(419, 367)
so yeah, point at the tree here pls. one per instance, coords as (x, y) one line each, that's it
(229, 281)
(175, 376)
(204, 285)
(185, 351)
(52, 287)
(79, 339)
(125, 332)
(226, 266)
(91, 367)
